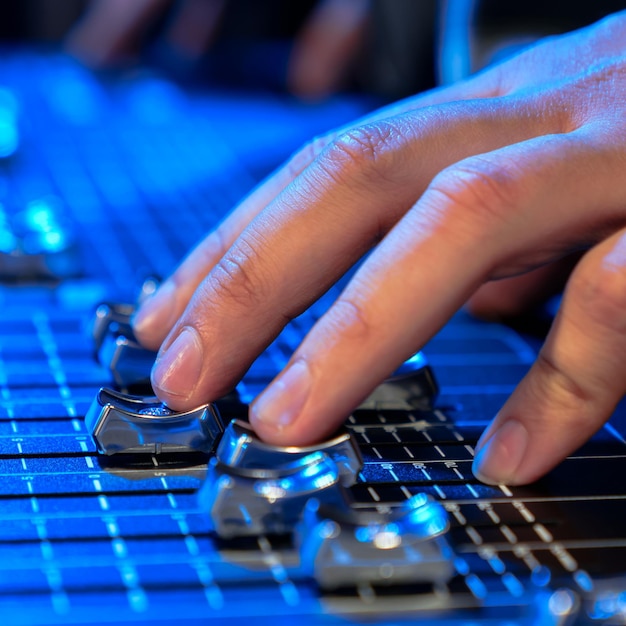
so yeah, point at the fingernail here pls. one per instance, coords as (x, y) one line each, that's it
(177, 371)
(499, 457)
(281, 403)
(158, 311)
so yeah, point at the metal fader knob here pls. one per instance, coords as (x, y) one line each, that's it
(240, 447)
(253, 502)
(348, 547)
(123, 423)
(254, 488)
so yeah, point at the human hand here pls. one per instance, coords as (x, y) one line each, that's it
(516, 168)
(322, 55)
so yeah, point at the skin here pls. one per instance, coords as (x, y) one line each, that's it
(519, 168)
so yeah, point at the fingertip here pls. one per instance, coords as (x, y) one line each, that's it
(275, 412)
(177, 371)
(156, 316)
(499, 458)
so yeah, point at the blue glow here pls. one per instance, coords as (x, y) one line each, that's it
(412, 364)
(74, 96)
(9, 137)
(38, 216)
(53, 240)
(8, 243)
(541, 576)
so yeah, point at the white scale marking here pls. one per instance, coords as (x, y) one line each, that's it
(212, 592)
(393, 475)
(279, 573)
(473, 535)
(506, 491)
(460, 518)
(524, 512)
(406, 492)
(564, 557)
(440, 492)
(103, 502)
(472, 491)
(119, 548)
(60, 602)
(46, 550)
(373, 493)
(510, 536)
(192, 545)
(543, 533)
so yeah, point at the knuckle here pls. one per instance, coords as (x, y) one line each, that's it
(237, 278)
(363, 153)
(561, 386)
(480, 189)
(349, 319)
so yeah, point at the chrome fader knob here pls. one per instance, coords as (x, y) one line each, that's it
(254, 488)
(410, 386)
(240, 447)
(340, 546)
(253, 502)
(142, 424)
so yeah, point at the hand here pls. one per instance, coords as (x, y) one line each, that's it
(512, 170)
(323, 52)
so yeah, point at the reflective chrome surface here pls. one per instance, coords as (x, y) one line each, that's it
(411, 386)
(260, 501)
(240, 447)
(344, 546)
(124, 423)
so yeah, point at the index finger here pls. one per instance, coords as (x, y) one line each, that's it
(321, 223)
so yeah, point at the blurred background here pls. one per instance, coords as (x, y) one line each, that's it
(390, 48)
(146, 121)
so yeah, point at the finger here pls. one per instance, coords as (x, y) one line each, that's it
(325, 49)
(315, 230)
(155, 320)
(194, 27)
(488, 215)
(576, 382)
(110, 27)
(511, 297)
(157, 316)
